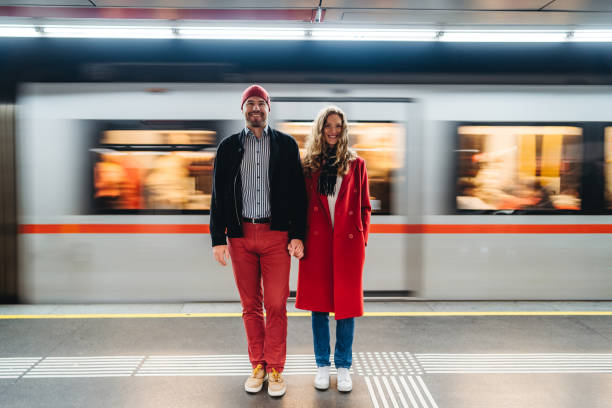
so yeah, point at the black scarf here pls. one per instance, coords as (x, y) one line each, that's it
(329, 172)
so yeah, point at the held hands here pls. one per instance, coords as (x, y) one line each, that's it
(296, 248)
(221, 254)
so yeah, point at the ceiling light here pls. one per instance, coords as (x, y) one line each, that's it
(503, 36)
(316, 32)
(18, 31)
(341, 34)
(108, 32)
(592, 35)
(242, 33)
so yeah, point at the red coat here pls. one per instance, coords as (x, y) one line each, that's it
(331, 271)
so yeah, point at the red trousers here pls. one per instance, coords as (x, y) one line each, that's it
(260, 258)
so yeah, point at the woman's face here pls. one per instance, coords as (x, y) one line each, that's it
(332, 129)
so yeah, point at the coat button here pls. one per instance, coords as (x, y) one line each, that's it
(316, 232)
(316, 208)
(350, 212)
(351, 236)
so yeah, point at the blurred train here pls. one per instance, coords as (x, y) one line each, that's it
(490, 164)
(478, 191)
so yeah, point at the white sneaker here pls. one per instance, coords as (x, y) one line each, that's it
(345, 384)
(321, 381)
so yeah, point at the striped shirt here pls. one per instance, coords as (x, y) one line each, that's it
(254, 172)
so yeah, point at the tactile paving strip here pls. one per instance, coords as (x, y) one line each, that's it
(385, 363)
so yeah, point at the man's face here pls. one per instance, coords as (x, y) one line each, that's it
(255, 111)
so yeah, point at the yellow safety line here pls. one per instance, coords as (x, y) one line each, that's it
(304, 314)
(496, 313)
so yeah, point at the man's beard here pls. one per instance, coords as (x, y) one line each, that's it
(257, 122)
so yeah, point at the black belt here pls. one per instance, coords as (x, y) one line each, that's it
(256, 220)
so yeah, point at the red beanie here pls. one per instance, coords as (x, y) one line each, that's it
(255, 90)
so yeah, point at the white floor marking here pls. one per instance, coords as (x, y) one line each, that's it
(220, 365)
(371, 364)
(381, 393)
(101, 366)
(513, 354)
(106, 357)
(384, 389)
(390, 392)
(426, 390)
(15, 367)
(516, 363)
(417, 391)
(573, 371)
(77, 375)
(399, 392)
(371, 391)
(409, 393)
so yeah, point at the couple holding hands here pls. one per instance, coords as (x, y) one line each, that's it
(270, 206)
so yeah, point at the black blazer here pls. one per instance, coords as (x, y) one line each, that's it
(288, 199)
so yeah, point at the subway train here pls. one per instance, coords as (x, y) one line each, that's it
(479, 191)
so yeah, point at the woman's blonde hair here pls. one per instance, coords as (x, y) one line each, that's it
(316, 144)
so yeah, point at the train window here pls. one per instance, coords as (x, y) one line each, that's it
(608, 166)
(519, 168)
(153, 170)
(380, 144)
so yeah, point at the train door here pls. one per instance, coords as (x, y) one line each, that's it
(383, 132)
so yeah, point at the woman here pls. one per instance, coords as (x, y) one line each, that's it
(330, 275)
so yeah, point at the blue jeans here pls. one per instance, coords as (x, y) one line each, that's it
(345, 329)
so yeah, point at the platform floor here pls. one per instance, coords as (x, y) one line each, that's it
(406, 354)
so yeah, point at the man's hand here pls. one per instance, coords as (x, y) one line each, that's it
(221, 254)
(296, 248)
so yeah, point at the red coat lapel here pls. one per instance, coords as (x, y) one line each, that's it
(322, 199)
(346, 180)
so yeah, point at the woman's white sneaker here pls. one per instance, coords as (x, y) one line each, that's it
(321, 381)
(345, 384)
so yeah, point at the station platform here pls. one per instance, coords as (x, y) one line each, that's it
(406, 354)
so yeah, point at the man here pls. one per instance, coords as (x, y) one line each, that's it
(259, 203)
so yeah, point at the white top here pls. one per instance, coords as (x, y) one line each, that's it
(331, 200)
